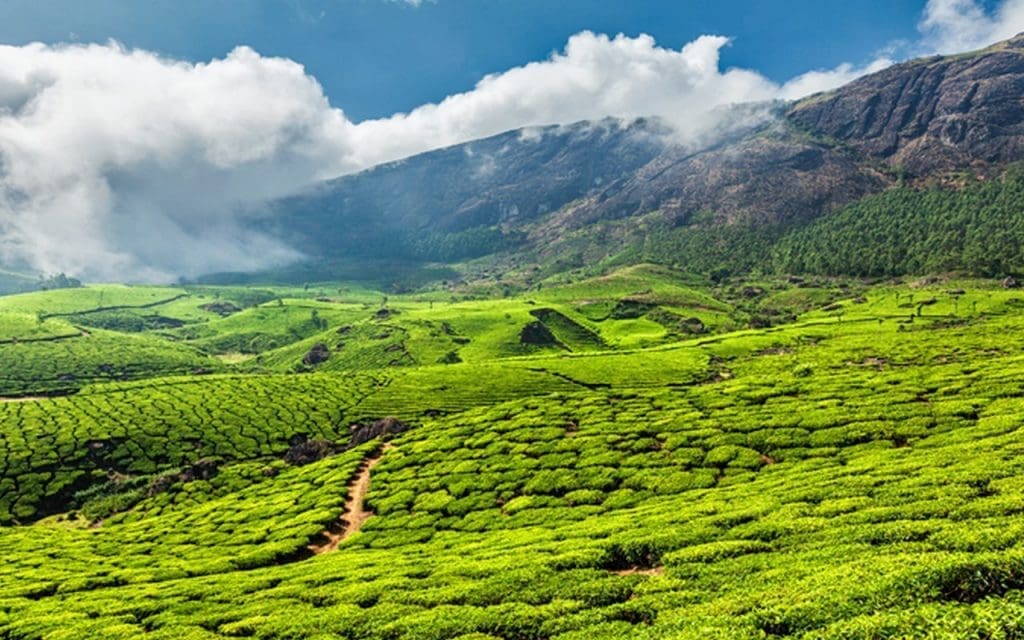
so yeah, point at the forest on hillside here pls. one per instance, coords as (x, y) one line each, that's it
(975, 229)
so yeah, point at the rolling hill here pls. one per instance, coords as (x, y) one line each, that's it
(851, 472)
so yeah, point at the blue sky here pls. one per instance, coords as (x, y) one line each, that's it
(376, 57)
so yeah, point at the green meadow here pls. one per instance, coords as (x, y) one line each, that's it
(636, 455)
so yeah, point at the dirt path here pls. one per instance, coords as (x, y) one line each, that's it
(641, 571)
(355, 515)
(25, 399)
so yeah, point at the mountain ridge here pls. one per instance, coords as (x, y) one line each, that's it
(543, 192)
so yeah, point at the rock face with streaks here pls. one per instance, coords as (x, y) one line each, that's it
(929, 115)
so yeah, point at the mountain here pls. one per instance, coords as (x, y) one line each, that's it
(567, 196)
(469, 196)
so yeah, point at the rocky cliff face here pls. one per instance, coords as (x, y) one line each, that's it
(930, 115)
(920, 118)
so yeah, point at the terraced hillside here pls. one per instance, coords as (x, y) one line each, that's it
(819, 460)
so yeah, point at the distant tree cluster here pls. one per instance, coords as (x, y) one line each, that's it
(59, 281)
(977, 230)
(452, 247)
(718, 250)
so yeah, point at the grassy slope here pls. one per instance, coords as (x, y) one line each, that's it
(16, 326)
(111, 332)
(67, 364)
(67, 301)
(54, 342)
(424, 332)
(854, 474)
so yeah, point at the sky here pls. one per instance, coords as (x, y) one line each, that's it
(137, 139)
(375, 57)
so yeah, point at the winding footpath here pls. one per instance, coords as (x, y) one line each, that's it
(355, 514)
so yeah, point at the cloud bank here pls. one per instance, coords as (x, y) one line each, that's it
(952, 26)
(121, 164)
(595, 76)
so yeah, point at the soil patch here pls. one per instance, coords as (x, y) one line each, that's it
(355, 514)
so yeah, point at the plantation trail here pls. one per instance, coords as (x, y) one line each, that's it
(640, 571)
(355, 514)
(25, 399)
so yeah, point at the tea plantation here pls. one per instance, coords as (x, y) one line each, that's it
(637, 455)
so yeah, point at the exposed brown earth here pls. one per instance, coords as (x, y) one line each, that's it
(640, 571)
(355, 514)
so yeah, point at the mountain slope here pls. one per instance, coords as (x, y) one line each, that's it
(581, 193)
(499, 183)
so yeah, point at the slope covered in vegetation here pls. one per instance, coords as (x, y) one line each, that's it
(821, 460)
(977, 229)
(972, 226)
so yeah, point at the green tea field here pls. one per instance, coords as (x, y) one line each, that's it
(631, 456)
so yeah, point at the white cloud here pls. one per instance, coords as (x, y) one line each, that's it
(117, 163)
(951, 26)
(825, 80)
(595, 76)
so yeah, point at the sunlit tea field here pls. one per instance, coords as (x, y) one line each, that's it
(632, 456)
